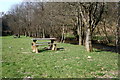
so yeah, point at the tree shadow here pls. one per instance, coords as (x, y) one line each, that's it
(60, 49)
(71, 40)
(46, 49)
(104, 47)
(41, 50)
(99, 46)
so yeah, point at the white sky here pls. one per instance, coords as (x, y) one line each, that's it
(5, 5)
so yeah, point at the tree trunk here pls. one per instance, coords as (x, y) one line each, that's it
(118, 40)
(36, 34)
(118, 31)
(63, 36)
(18, 32)
(43, 33)
(25, 34)
(80, 35)
(88, 43)
(80, 40)
(79, 27)
(29, 34)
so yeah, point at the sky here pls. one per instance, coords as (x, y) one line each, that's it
(5, 5)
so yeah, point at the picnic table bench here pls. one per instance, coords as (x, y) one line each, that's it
(51, 43)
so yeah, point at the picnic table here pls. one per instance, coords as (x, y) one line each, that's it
(51, 43)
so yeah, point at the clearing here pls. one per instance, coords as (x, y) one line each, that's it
(73, 61)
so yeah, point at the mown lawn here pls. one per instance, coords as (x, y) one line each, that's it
(73, 61)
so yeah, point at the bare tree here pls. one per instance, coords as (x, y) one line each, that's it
(44, 19)
(91, 15)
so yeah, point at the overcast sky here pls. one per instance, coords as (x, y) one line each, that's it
(5, 5)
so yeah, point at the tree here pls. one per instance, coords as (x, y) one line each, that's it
(118, 30)
(44, 19)
(91, 15)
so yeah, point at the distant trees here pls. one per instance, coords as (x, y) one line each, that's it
(44, 19)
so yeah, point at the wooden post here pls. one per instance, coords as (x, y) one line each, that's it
(54, 47)
(36, 50)
(34, 47)
(51, 44)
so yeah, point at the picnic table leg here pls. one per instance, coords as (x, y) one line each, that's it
(54, 47)
(51, 44)
(34, 47)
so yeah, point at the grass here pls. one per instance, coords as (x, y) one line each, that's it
(18, 61)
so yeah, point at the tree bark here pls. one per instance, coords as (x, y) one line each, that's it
(25, 34)
(88, 40)
(29, 34)
(87, 23)
(118, 31)
(79, 27)
(80, 35)
(63, 36)
(43, 33)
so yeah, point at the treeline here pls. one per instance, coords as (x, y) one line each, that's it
(86, 21)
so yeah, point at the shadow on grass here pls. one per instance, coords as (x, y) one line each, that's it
(71, 40)
(98, 51)
(61, 49)
(104, 47)
(46, 49)
(99, 46)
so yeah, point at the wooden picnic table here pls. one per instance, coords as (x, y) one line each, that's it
(35, 44)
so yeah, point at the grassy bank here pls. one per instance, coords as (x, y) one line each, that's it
(71, 62)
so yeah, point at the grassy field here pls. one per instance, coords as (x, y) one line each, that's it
(73, 61)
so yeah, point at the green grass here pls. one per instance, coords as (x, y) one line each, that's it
(18, 61)
(69, 35)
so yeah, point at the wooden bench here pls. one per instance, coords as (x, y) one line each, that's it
(35, 44)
